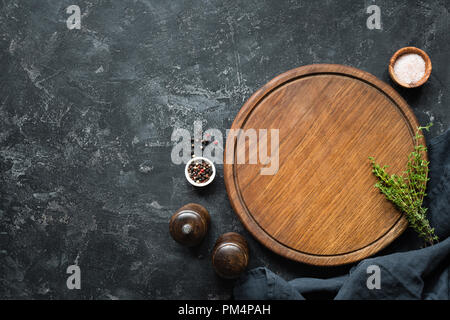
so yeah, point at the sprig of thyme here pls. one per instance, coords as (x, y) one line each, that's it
(407, 191)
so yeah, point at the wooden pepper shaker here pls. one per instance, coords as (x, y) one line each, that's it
(188, 226)
(230, 255)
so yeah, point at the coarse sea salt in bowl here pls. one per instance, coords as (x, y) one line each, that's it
(410, 67)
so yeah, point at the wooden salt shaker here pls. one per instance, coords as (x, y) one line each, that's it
(230, 255)
(188, 226)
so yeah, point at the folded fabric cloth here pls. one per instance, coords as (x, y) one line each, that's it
(416, 274)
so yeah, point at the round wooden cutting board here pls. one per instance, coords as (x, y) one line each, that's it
(321, 206)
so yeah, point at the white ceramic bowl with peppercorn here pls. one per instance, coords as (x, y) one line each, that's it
(195, 175)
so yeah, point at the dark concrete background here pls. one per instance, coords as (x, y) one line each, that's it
(86, 118)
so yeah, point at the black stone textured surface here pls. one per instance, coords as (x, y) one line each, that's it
(86, 118)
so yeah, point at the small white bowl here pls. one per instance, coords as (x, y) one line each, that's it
(186, 173)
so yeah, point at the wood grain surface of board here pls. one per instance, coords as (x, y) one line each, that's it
(321, 206)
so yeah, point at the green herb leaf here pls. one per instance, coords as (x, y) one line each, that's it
(407, 191)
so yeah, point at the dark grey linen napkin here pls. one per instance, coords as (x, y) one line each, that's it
(415, 274)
